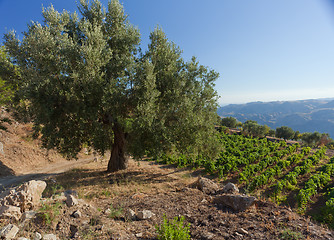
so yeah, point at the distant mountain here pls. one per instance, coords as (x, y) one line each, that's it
(303, 115)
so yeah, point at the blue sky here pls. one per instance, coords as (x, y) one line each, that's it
(264, 50)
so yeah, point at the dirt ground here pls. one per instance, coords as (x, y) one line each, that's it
(105, 199)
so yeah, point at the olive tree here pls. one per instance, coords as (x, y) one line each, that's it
(252, 128)
(87, 85)
(9, 78)
(230, 122)
(285, 132)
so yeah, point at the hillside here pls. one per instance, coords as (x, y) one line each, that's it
(20, 153)
(104, 201)
(304, 115)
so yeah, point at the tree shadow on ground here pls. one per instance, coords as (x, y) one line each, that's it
(91, 177)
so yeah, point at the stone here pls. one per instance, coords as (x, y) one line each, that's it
(50, 237)
(37, 236)
(23, 238)
(139, 235)
(206, 185)
(74, 230)
(207, 236)
(130, 214)
(145, 214)
(27, 196)
(243, 231)
(77, 214)
(1, 148)
(236, 202)
(230, 188)
(238, 234)
(9, 231)
(71, 200)
(10, 212)
(28, 215)
(71, 192)
(107, 211)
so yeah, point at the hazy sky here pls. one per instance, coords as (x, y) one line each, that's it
(264, 50)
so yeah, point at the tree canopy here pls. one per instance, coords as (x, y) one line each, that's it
(252, 128)
(9, 77)
(88, 84)
(230, 122)
(285, 132)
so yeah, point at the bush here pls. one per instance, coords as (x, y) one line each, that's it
(173, 229)
(291, 235)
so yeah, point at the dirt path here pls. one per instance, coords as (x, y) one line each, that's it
(42, 172)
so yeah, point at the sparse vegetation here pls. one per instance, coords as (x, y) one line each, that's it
(173, 229)
(49, 212)
(289, 234)
(115, 212)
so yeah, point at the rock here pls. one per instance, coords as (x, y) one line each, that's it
(23, 238)
(77, 214)
(243, 231)
(207, 236)
(27, 196)
(71, 192)
(28, 215)
(74, 230)
(71, 200)
(130, 214)
(1, 148)
(230, 188)
(37, 236)
(139, 235)
(9, 231)
(50, 237)
(236, 202)
(206, 185)
(10, 212)
(145, 214)
(107, 211)
(238, 234)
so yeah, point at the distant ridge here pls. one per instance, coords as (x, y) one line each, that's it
(303, 115)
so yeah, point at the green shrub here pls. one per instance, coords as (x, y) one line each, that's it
(291, 235)
(173, 229)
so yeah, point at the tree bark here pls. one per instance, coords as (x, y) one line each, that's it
(118, 160)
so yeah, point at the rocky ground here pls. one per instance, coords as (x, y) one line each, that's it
(88, 203)
(131, 203)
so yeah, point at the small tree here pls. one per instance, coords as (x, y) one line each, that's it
(325, 139)
(272, 133)
(87, 86)
(229, 122)
(252, 128)
(297, 136)
(285, 132)
(9, 78)
(311, 139)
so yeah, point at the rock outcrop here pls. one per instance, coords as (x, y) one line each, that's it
(26, 197)
(236, 202)
(206, 185)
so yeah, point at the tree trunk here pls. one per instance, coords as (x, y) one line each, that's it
(118, 160)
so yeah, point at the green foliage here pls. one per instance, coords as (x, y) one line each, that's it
(285, 132)
(229, 122)
(252, 128)
(49, 212)
(87, 85)
(311, 139)
(9, 75)
(291, 235)
(173, 229)
(115, 212)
